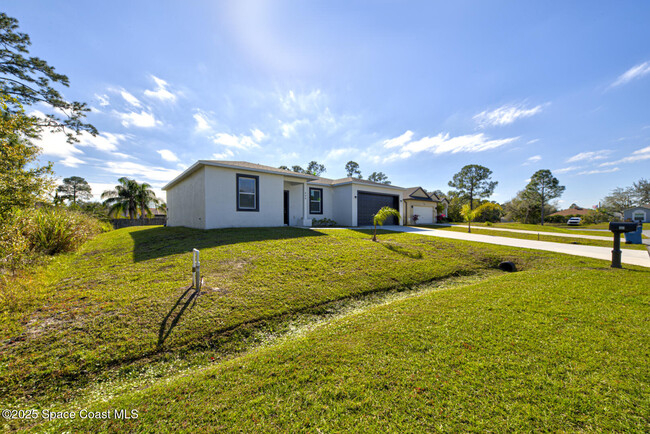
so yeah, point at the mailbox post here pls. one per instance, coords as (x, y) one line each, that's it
(617, 229)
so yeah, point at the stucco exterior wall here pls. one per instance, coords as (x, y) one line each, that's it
(186, 202)
(296, 203)
(328, 203)
(410, 204)
(629, 213)
(221, 199)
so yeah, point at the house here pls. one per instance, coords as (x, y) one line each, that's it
(638, 213)
(577, 211)
(221, 194)
(418, 202)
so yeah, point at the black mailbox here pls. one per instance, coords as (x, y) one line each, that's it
(622, 227)
(619, 228)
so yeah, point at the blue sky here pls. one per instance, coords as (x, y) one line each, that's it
(413, 89)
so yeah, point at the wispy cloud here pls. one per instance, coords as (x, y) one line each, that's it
(103, 99)
(167, 155)
(203, 123)
(141, 171)
(441, 144)
(160, 92)
(128, 97)
(106, 142)
(568, 169)
(72, 161)
(590, 156)
(505, 115)
(597, 171)
(638, 155)
(227, 153)
(142, 119)
(533, 159)
(242, 142)
(633, 73)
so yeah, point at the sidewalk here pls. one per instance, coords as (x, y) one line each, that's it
(633, 257)
(523, 231)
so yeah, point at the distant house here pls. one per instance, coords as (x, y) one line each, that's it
(639, 213)
(573, 211)
(424, 205)
(222, 194)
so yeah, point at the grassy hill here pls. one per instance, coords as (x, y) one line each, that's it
(114, 325)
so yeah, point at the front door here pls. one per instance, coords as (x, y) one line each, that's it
(286, 207)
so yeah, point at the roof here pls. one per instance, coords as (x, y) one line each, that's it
(408, 194)
(350, 180)
(237, 165)
(572, 211)
(637, 207)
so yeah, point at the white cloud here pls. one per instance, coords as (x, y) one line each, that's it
(71, 161)
(167, 155)
(258, 135)
(530, 142)
(202, 122)
(106, 142)
(533, 159)
(505, 115)
(161, 93)
(440, 144)
(638, 155)
(239, 142)
(635, 72)
(596, 171)
(568, 169)
(103, 99)
(140, 171)
(589, 156)
(335, 154)
(142, 119)
(130, 98)
(224, 155)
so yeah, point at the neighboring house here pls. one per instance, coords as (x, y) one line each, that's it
(221, 194)
(424, 205)
(572, 212)
(638, 213)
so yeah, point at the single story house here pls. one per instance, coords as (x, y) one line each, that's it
(418, 202)
(221, 194)
(638, 213)
(577, 211)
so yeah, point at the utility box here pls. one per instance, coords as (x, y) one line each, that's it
(635, 237)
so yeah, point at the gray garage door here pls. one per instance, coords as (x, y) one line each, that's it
(369, 203)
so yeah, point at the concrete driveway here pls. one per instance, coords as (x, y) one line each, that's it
(634, 257)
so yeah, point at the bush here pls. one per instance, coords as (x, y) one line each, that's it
(324, 222)
(26, 234)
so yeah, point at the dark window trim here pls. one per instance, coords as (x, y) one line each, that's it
(257, 192)
(321, 201)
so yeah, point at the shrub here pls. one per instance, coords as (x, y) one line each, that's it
(26, 234)
(324, 222)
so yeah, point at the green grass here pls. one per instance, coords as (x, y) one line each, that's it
(540, 350)
(544, 236)
(550, 227)
(391, 335)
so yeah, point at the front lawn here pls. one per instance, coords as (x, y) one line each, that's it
(563, 349)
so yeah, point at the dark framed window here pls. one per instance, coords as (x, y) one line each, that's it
(248, 192)
(315, 201)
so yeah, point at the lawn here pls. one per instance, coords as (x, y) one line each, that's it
(560, 345)
(541, 236)
(552, 227)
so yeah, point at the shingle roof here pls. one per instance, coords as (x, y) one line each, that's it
(327, 181)
(572, 211)
(254, 166)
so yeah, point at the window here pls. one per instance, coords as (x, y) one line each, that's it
(247, 193)
(639, 216)
(315, 201)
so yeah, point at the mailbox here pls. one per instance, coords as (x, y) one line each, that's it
(617, 229)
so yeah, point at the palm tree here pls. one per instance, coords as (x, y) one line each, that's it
(122, 199)
(145, 197)
(381, 217)
(470, 214)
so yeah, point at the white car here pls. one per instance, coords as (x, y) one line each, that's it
(574, 221)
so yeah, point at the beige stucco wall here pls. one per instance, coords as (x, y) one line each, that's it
(419, 203)
(186, 202)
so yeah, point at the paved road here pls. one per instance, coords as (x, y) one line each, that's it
(634, 257)
(523, 231)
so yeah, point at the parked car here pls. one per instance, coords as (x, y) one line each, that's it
(574, 221)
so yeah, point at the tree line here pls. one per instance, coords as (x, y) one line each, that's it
(351, 169)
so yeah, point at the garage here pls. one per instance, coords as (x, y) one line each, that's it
(369, 203)
(424, 213)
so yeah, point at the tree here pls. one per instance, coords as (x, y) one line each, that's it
(313, 168)
(642, 191)
(30, 80)
(22, 180)
(73, 188)
(620, 199)
(284, 168)
(352, 169)
(379, 177)
(543, 186)
(145, 197)
(123, 199)
(470, 214)
(473, 182)
(297, 169)
(381, 217)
